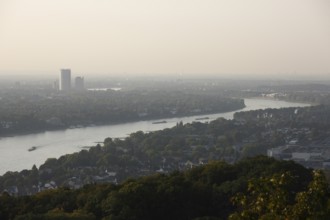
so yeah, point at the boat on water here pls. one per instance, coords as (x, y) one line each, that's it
(159, 122)
(32, 148)
(203, 118)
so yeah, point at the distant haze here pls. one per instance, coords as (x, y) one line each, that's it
(224, 38)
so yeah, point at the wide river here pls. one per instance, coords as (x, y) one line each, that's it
(15, 154)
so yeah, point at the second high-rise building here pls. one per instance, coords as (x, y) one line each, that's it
(79, 83)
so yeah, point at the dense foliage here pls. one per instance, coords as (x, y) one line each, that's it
(251, 189)
(29, 111)
(179, 148)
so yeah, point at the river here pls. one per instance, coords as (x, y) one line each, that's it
(15, 154)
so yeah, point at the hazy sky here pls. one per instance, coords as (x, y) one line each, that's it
(228, 38)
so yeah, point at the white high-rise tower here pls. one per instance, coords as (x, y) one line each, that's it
(65, 79)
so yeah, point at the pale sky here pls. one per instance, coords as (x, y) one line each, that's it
(278, 38)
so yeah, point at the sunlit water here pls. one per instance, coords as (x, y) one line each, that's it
(14, 154)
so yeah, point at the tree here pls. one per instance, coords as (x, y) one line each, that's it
(274, 197)
(313, 202)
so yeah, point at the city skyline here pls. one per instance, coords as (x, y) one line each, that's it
(273, 39)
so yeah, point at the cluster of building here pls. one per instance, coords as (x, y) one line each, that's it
(314, 155)
(65, 81)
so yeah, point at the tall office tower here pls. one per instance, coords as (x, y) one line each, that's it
(65, 79)
(79, 83)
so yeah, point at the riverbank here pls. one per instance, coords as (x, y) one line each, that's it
(158, 118)
(95, 124)
(53, 144)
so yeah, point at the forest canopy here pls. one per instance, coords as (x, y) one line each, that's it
(255, 188)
